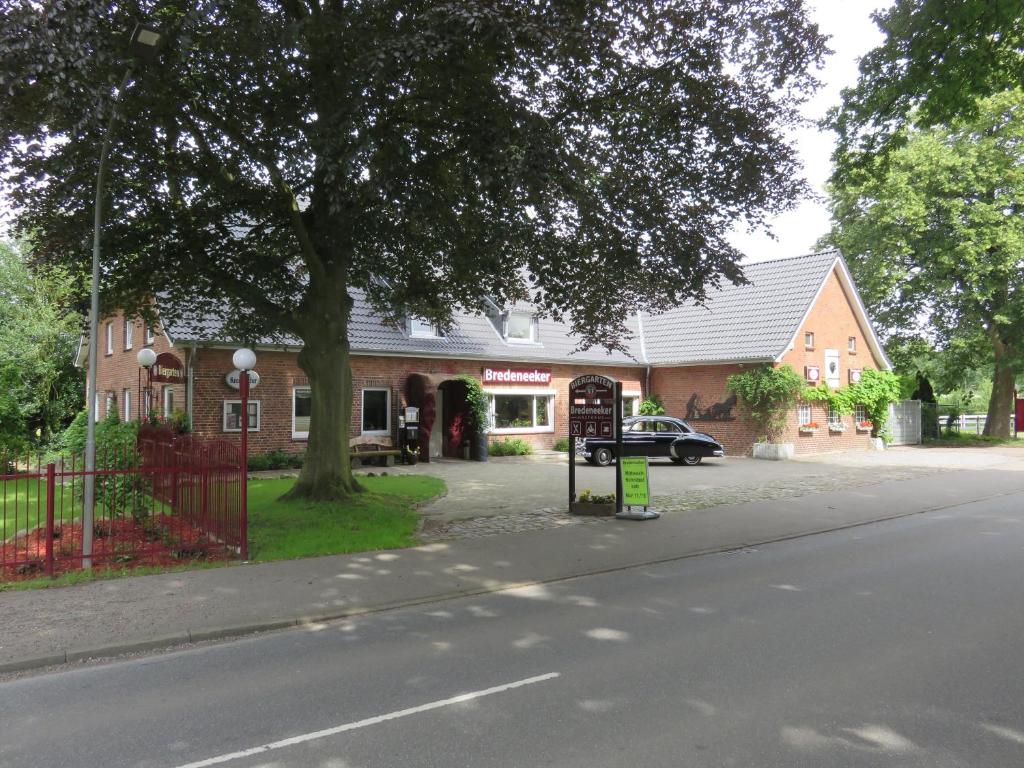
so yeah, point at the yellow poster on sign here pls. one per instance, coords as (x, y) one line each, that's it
(636, 487)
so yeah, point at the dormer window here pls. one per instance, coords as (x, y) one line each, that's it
(423, 329)
(521, 327)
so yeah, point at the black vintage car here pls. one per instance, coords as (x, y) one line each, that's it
(657, 437)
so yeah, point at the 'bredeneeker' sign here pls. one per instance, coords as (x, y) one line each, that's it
(516, 376)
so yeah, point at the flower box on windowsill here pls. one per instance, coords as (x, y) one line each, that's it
(864, 426)
(808, 429)
(836, 427)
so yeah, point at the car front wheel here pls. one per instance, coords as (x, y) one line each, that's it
(603, 457)
(691, 461)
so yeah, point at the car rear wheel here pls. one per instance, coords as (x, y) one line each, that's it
(691, 461)
(603, 457)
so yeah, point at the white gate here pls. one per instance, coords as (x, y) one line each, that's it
(905, 422)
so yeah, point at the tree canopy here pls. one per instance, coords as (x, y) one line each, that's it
(282, 155)
(938, 58)
(39, 387)
(936, 240)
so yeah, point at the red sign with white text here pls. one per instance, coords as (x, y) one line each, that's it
(532, 376)
(592, 407)
(168, 369)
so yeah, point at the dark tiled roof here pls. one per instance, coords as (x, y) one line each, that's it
(755, 321)
(746, 322)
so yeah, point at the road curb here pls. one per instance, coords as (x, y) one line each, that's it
(232, 632)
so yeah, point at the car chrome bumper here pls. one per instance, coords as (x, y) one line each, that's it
(718, 453)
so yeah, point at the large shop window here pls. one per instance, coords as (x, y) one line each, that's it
(302, 409)
(233, 415)
(376, 411)
(521, 412)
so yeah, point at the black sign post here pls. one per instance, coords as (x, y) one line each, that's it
(595, 410)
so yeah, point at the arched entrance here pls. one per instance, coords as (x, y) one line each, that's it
(443, 414)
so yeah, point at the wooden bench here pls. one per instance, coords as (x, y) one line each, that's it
(372, 450)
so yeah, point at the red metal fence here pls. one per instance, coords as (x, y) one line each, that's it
(168, 499)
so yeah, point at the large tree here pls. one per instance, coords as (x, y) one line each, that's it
(935, 236)
(937, 59)
(40, 389)
(283, 153)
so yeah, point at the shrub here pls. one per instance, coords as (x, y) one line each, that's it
(652, 406)
(279, 460)
(259, 462)
(767, 394)
(510, 447)
(477, 401)
(562, 444)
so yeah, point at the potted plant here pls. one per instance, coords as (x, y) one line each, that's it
(595, 505)
(412, 455)
(864, 426)
(809, 428)
(479, 415)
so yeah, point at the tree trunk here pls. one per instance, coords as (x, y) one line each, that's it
(1000, 404)
(327, 471)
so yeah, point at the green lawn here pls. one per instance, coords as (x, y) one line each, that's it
(961, 439)
(23, 506)
(384, 517)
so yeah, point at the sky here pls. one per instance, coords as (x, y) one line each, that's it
(852, 34)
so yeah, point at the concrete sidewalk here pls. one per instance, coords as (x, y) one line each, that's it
(105, 618)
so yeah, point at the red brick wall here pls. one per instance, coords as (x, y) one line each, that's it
(120, 370)
(279, 374)
(677, 386)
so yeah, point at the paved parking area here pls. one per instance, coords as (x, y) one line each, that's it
(512, 494)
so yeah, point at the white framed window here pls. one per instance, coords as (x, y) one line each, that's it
(302, 411)
(110, 406)
(851, 345)
(233, 415)
(834, 416)
(630, 404)
(167, 398)
(147, 402)
(809, 340)
(148, 334)
(126, 399)
(860, 413)
(521, 411)
(424, 329)
(376, 418)
(110, 338)
(521, 328)
(129, 333)
(804, 414)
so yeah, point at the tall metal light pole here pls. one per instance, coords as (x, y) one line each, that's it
(144, 45)
(244, 360)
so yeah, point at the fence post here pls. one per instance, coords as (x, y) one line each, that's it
(51, 492)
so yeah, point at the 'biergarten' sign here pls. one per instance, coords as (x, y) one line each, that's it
(592, 407)
(516, 376)
(167, 369)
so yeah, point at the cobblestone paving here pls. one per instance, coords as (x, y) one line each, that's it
(817, 480)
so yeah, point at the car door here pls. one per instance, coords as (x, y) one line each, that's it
(665, 434)
(640, 431)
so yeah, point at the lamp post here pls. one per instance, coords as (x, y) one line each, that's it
(244, 360)
(144, 45)
(147, 359)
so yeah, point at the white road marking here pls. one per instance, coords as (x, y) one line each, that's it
(292, 741)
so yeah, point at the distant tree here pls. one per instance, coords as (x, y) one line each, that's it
(938, 58)
(589, 154)
(40, 389)
(935, 239)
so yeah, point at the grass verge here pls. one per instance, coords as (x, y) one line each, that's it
(964, 439)
(384, 517)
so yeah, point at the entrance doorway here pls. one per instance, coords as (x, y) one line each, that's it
(444, 414)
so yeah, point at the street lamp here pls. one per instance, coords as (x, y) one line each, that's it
(244, 360)
(144, 45)
(147, 359)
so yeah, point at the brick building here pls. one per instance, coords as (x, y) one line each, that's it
(804, 311)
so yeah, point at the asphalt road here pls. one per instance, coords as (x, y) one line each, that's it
(893, 644)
